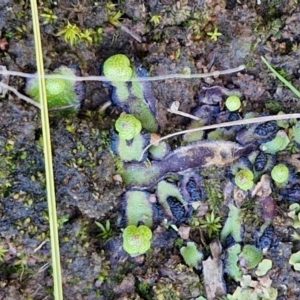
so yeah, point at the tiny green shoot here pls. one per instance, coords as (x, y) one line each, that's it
(282, 79)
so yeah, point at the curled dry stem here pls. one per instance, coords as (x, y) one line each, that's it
(225, 124)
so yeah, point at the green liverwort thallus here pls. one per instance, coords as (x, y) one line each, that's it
(60, 92)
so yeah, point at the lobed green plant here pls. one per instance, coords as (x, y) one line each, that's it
(137, 240)
(280, 173)
(128, 126)
(295, 261)
(138, 208)
(244, 179)
(233, 225)
(250, 257)
(279, 143)
(60, 92)
(263, 267)
(231, 262)
(191, 255)
(233, 103)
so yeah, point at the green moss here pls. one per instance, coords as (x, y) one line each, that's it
(211, 223)
(144, 288)
(214, 192)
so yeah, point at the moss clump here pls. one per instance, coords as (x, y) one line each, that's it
(117, 69)
(137, 240)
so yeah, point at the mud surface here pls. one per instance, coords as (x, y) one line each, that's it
(173, 39)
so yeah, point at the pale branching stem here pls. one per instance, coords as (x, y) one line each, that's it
(183, 114)
(131, 33)
(226, 124)
(20, 95)
(103, 78)
(153, 78)
(174, 109)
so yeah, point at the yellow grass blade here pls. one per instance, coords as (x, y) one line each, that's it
(58, 294)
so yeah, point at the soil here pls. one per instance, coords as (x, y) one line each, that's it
(94, 267)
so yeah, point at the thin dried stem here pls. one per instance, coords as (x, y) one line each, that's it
(226, 124)
(3, 85)
(141, 79)
(131, 33)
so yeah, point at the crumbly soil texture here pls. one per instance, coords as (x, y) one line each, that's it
(165, 37)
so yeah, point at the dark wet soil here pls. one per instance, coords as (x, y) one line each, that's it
(93, 268)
